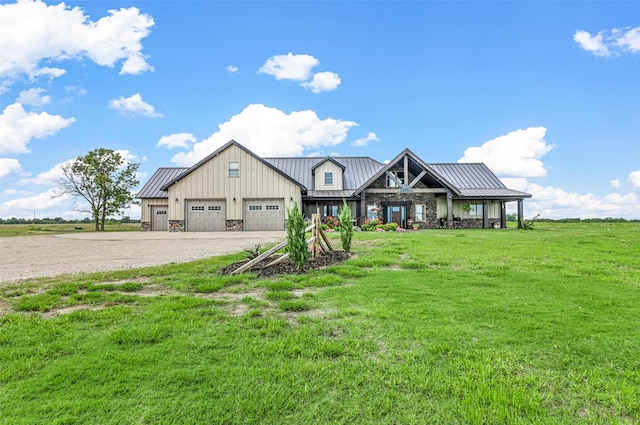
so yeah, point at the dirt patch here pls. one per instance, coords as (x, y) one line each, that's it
(80, 307)
(141, 279)
(327, 259)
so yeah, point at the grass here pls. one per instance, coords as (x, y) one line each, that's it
(442, 326)
(7, 230)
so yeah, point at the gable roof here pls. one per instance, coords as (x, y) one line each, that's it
(153, 188)
(433, 173)
(476, 180)
(327, 159)
(222, 149)
(356, 170)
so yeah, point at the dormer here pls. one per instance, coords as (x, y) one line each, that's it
(328, 175)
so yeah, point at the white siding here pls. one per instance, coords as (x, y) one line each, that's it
(211, 181)
(330, 167)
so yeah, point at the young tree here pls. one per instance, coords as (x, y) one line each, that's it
(104, 179)
(346, 227)
(296, 237)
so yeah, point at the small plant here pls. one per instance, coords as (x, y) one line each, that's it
(370, 224)
(331, 223)
(528, 225)
(253, 252)
(296, 237)
(346, 227)
(467, 207)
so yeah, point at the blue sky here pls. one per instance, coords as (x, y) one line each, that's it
(546, 93)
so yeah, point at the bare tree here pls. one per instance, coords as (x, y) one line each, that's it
(104, 179)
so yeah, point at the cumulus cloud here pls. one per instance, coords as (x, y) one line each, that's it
(33, 97)
(634, 179)
(609, 42)
(9, 166)
(364, 141)
(34, 33)
(46, 204)
(289, 66)
(133, 105)
(232, 69)
(323, 81)
(18, 127)
(615, 183)
(516, 154)
(177, 140)
(553, 202)
(271, 132)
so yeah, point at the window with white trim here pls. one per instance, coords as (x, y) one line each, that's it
(272, 207)
(255, 207)
(420, 212)
(197, 208)
(234, 169)
(372, 211)
(215, 208)
(328, 178)
(476, 210)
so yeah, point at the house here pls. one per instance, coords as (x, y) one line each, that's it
(235, 189)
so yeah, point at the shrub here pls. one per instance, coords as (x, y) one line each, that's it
(388, 227)
(331, 223)
(296, 237)
(370, 224)
(527, 225)
(346, 227)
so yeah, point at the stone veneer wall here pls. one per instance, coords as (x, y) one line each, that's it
(176, 225)
(145, 226)
(234, 225)
(411, 199)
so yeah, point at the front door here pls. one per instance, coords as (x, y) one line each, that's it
(397, 214)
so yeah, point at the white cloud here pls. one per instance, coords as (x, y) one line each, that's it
(615, 183)
(33, 97)
(133, 105)
(516, 154)
(34, 32)
(555, 203)
(609, 42)
(45, 204)
(289, 66)
(49, 177)
(323, 81)
(177, 140)
(9, 166)
(634, 179)
(271, 132)
(364, 141)
(18, 127)
(232, 69)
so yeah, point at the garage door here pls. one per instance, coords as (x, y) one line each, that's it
(159, 217)
(264, 214)
(206, 215)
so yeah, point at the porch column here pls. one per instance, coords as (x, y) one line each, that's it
(449, 209)
(363, 209)
(485, 214)
(503, 215)
(520, 212)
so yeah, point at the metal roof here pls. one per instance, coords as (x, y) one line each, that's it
(356, 169)
(329, 194)
(476, 180)
(152, 189)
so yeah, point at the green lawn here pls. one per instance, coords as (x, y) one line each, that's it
(439, 326)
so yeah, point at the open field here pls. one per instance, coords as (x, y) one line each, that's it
(442, 326)
(54, 229)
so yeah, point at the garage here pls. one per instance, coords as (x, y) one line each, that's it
(159, 217)
(264, 214)
(206, 215)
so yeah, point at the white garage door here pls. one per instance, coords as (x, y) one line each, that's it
(159, 217)
(206, 215)
(264, 214)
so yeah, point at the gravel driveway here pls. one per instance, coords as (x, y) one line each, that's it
(36, 256)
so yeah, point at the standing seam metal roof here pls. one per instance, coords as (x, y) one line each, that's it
(153, 188)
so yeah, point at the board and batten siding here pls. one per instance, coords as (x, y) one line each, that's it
(145, 208)
(211, 181)
(332, 167)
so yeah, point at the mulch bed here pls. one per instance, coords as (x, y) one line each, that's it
(325, 259)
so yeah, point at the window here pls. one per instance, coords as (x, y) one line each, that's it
(399, 176)
(197, 208)
(420, 212)
(255, 207)
(215, 208)
(372, 211)
(272, 207)
(476, 210)
(234, 169)
(328, 178)
(161, 212)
